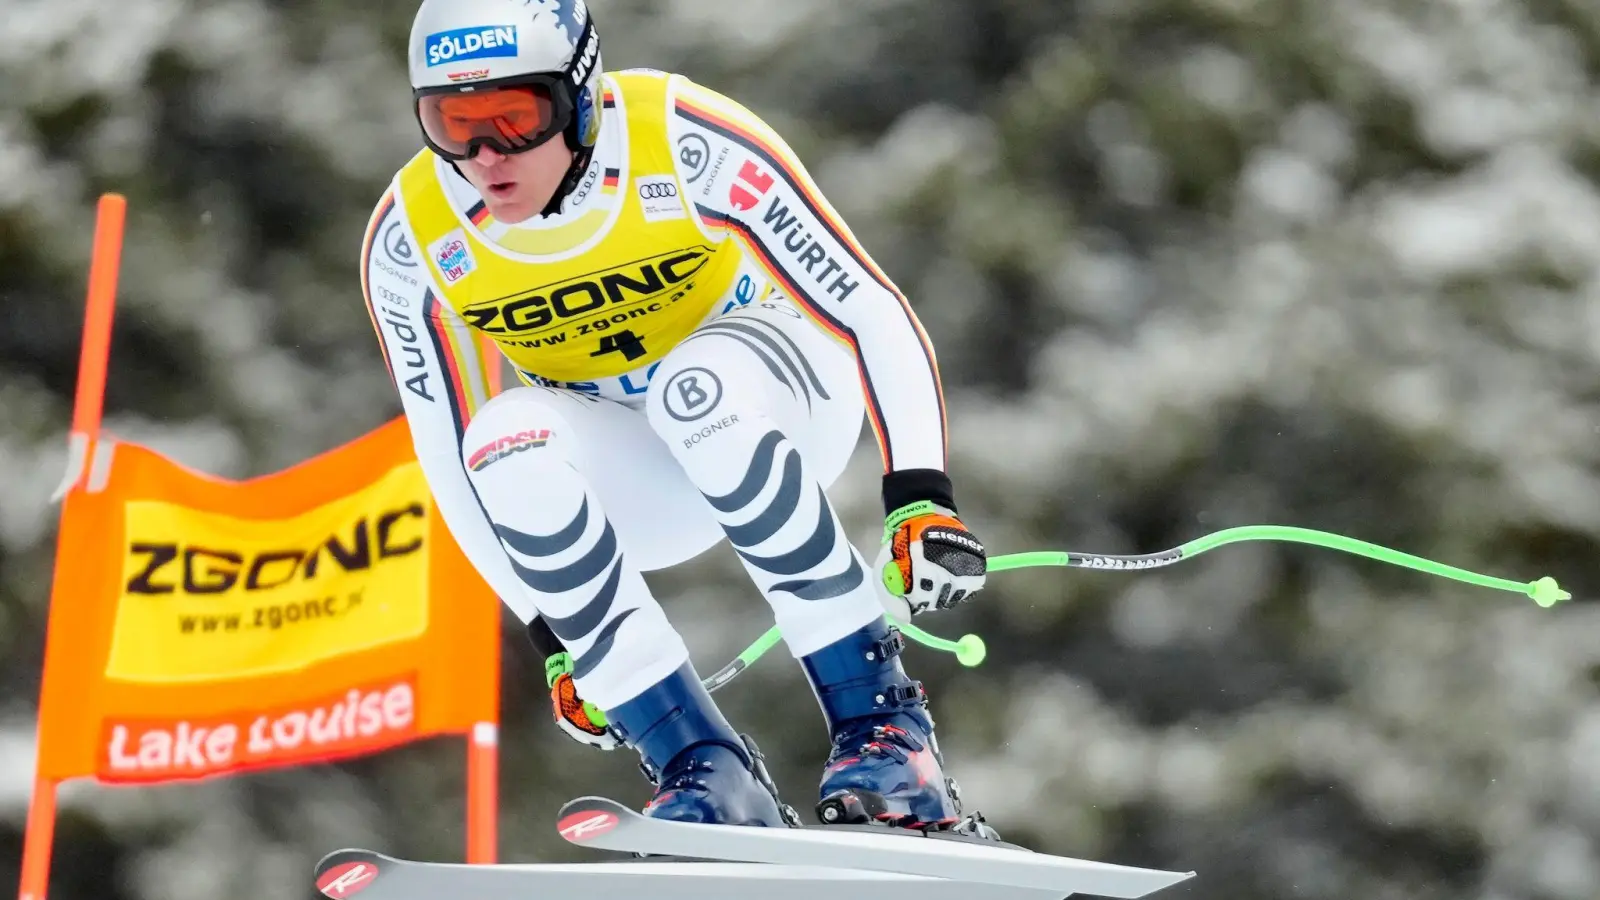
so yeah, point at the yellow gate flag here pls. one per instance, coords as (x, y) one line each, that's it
(208, 595)
(202, 626)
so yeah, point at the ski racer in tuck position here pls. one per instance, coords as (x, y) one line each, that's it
(697, 335)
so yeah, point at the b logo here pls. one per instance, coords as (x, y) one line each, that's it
(397, 246)
(693, 151)
(692, 393)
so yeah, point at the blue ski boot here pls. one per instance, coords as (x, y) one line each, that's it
(702, 770)
(885, 767)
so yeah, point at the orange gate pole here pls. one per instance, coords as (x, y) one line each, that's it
(87, 408)
(483, 744)
(483, 747)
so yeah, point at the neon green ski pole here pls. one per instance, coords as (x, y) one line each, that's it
(970, 649)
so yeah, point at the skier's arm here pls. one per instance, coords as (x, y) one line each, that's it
(442, 378)
(747, 180)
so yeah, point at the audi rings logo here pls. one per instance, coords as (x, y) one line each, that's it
(657, 190)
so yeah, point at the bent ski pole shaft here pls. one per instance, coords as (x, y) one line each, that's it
(970, 648)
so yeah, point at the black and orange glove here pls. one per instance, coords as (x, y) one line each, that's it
(580, 719)
(929, 560)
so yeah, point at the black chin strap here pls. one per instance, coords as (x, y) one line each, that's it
(581, 157)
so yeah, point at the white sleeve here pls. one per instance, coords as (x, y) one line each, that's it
(743, 177)
(439, 370)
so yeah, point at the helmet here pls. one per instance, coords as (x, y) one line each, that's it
(508, 74)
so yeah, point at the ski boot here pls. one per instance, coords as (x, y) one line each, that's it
(701, 769)
(885, 767)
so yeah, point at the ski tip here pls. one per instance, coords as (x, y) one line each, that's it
(1176, 878)
(587, 818)
(344, 873)
(595, 801)
(348, 854)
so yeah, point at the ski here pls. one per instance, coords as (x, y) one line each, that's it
(345, 874)
(605, 824)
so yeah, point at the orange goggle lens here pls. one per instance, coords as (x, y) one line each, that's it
(509, 119)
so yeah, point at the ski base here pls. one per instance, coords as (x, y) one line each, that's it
(680, 861)
(374, 876)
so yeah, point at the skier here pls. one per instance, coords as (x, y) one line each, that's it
(697, 335)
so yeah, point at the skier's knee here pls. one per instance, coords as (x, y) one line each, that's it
(514, 423)
(519, 469)
(698, 393)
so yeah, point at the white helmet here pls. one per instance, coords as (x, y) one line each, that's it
(509, 74)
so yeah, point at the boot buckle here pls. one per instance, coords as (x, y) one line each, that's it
(906, 694)
(890, 647)
(652, 774)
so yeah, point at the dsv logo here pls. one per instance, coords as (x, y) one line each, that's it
(624, 284)
(657, 190)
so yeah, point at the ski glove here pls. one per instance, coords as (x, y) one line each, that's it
(580, 719)
(929, 560)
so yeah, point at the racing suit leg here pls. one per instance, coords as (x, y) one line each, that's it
(762, 410)
(532, 454)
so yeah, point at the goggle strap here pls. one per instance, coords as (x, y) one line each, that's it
(578, 51)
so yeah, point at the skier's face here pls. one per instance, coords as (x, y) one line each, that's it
(515, 188)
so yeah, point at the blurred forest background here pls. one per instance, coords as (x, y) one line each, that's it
(1188, 264)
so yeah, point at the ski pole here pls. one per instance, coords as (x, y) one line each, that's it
(970, 650)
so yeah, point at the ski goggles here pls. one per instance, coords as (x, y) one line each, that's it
(511, 115)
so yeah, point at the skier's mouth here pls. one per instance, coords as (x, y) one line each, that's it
(502, 189)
